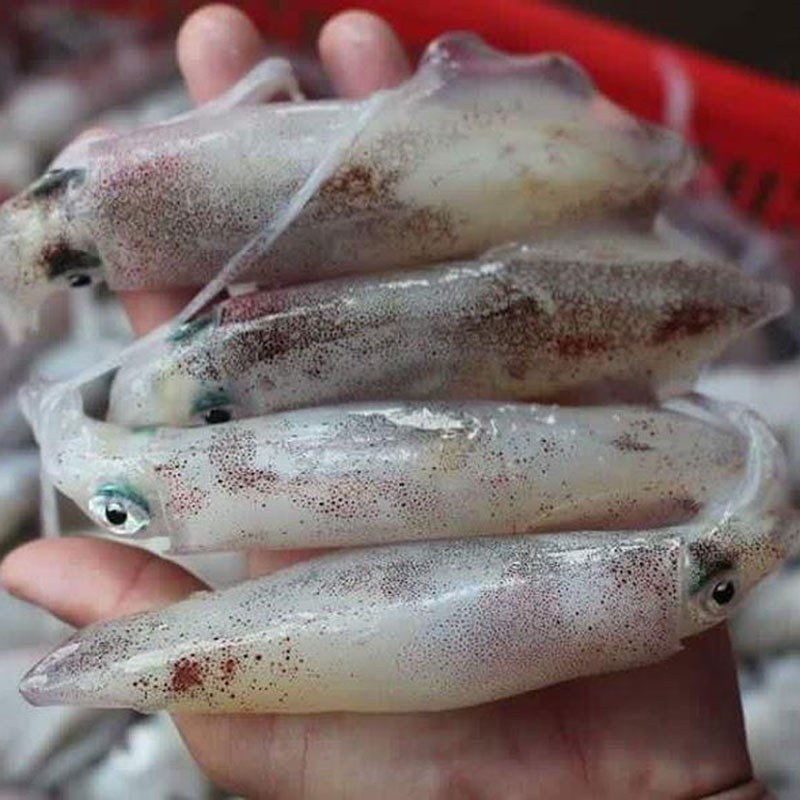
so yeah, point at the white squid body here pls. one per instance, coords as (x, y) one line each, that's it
(363, 474)
(420, 626)
(479, 148)
(609, 311)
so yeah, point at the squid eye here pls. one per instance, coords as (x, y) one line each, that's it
(116, 514)
(723, 592)
(216, 416)
(720, 593)
(78, 279)
(212, 406)
(119, 512)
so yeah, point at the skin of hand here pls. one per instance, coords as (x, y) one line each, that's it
(672, 730)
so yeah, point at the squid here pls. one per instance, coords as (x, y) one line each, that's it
(479, 148)
(425, 626)
(373, 473)
(603, 314)
(772, 389)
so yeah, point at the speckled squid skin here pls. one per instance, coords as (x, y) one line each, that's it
(477, 149)
(417, 626)
(361, 474)
(396, 628)
(606, 311)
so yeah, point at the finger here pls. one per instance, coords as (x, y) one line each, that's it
(85, 580)
(217, 45)
(362, 54)
(147, 309)
(265, 562)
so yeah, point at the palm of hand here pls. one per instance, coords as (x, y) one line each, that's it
(671, 730)
(668, 731)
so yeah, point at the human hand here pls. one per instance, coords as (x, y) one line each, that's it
(672, 730)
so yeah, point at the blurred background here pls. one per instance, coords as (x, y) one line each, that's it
(65, 66)
(765, 36)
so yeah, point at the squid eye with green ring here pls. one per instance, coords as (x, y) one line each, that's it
(212, 407)
(120, 509)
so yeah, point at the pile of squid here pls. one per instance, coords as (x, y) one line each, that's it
(453, 348)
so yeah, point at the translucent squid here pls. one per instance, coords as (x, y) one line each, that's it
(373, 473)
(477, 149)
(773, 390)
(606, 314)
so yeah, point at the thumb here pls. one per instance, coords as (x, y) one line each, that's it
(85, 580)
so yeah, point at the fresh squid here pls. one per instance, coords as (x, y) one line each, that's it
(477, 149)
(362, 474)
(617, 314)
(422, 626)
(773, 389)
